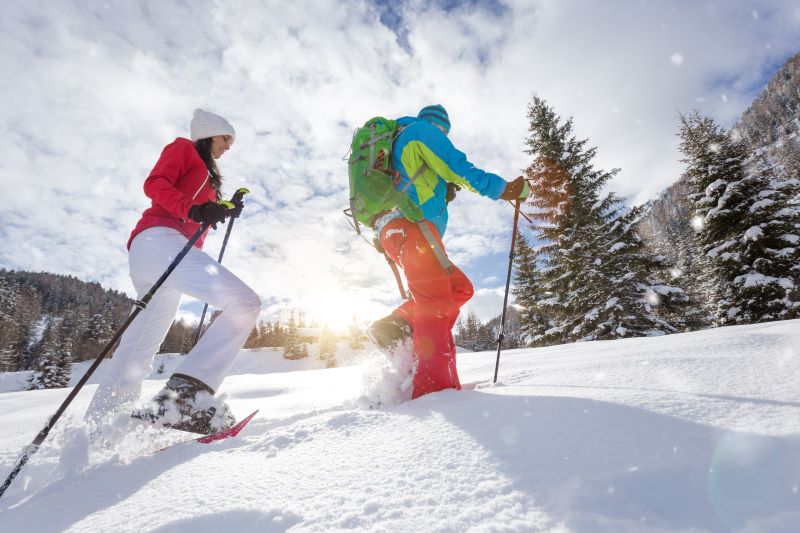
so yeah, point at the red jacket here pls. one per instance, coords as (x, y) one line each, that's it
(179, 180)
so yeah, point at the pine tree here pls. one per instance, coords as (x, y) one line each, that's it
(486, 338)
(747, 221)
(458, 337)
(566, 218)
(10, 332)
(356, 335)
(265, 335)
(639, 299)
(98, 331)
(528, 293)
(33, 297)
(590, 260)
(252, 339)
(470, 340)
(179, 339)
(279, 334)
(292, 347)
(713, 161)
(73, 325)
(675, 246)
(54, 363)
(327, 347)
(767, 275)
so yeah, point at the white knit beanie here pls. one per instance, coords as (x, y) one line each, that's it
(206, 124)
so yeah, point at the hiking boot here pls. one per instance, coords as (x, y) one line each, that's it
(388, 332)
(188, 404)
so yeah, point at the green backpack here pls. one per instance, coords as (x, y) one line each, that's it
(372, 191)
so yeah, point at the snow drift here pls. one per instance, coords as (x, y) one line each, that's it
(698, 431)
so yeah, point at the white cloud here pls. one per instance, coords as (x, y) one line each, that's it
(94, 92)
(487, 303)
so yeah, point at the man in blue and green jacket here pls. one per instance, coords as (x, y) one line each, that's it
(425, 162)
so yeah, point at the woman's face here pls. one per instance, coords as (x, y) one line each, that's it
(220, 144)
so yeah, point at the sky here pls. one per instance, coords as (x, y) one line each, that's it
(93, 91)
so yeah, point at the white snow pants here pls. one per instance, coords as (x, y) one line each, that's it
(197, 275)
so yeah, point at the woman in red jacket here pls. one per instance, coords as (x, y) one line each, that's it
(184, 186)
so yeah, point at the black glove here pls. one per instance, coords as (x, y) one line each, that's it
(452, 189)
(210, 213)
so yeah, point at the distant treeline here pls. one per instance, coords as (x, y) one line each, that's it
(40, 311)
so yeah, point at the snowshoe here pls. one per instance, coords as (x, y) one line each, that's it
(187, 404)
(388, 332)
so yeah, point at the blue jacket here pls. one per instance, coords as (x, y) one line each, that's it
(422, 142)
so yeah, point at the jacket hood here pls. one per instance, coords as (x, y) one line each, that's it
(405, 121)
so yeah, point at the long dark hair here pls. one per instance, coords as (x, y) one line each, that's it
(203, 147)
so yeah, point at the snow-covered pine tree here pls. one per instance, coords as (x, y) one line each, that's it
(561, 225)
(687, 265)
(486, 338)
(327, 347)
(512, 339)
(72, 326)
(292, 347)
(789, 158)
(53, 364)
(639, 300)
(590, 256)
(98, 331)
(766, 276)
(747, 224)
(10, 332)
(470, 341)
(667, 230)
(528, 293)
(713, 161)
(462, 337)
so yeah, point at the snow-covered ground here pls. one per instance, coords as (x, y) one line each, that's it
(690, 432)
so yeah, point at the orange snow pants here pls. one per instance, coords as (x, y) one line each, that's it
(436, 298)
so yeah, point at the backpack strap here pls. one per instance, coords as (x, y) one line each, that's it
(371, 145)
(397, 278)
(417, 174)
(438, 251)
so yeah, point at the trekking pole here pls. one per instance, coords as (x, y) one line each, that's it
(237, 197)
(140, 305)
(501, 335)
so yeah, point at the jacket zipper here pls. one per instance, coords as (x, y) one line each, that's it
(208, 175)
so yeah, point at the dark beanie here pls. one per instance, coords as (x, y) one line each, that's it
(436, 114)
